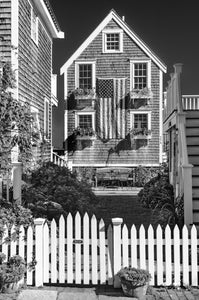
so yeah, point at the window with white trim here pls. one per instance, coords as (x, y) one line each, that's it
(112, 41)
(34, 26)
(140, 74)
(140, 120)
(85, 75)
(46, 118)
(85, 120)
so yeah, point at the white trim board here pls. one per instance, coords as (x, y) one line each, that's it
(126, 28)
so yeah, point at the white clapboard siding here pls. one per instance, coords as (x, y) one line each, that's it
(77, 248)
(53, 251)
(86, 228)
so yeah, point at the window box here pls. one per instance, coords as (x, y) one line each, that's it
(140, 134)
(79, 93)
(144, 93)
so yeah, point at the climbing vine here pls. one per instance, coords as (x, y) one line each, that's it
(16, 122)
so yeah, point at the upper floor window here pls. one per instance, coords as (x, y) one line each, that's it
(85, 75)
(112, 41)
(34, 26)
(46, 118)
(140, 77)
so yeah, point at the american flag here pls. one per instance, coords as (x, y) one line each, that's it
(111, 107)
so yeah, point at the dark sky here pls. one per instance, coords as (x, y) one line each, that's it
(169, 28)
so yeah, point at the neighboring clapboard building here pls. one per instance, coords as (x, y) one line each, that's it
(114, 88)
(27, 30)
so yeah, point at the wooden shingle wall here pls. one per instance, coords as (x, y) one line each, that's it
(118, 66)
(35, 64)
(5, 30)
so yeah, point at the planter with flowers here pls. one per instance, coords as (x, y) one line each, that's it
(84, 137)
(134, 281)
(145, 93)
(140, 133)
(11, 272)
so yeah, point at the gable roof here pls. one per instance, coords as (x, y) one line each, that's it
(114, 16)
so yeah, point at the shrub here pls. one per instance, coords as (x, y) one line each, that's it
(156, 192)
(14, 214)
(55, 190)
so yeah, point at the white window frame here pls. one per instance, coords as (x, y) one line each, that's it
(104, 40)
(35, 114)
(35, 39)
(136, 112)
(80, 113)
(85, 62)
(132, 63)
(46, 129)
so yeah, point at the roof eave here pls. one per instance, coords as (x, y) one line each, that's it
(44, 13)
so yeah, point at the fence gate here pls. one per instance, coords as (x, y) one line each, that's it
(78, 251)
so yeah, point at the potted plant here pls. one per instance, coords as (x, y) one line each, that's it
(134, 281)
(11, 272)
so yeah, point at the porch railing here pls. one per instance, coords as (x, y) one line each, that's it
(190, 102)
(58, 160)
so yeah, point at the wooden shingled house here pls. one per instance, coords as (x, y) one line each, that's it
(27, 30)
(113, 87)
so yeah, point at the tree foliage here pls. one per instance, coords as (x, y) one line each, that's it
(16, 122)
(54, 190)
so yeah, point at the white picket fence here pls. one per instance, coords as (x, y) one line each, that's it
(84, 251)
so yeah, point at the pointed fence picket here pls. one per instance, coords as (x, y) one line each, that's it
(82, 250)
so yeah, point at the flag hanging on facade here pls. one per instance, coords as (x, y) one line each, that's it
(111, 107)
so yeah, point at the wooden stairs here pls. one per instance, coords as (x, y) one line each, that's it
(192, 136)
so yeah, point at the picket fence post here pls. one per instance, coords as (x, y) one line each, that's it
(39, 251)
(117, 222)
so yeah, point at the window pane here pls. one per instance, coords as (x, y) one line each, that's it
(141, 121)
(85, 121)
(112, 41)
(85, 76)
(140, 75)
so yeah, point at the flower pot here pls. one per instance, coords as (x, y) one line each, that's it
(9, 287)
(138, 292)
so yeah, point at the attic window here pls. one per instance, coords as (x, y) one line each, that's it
(112, 41)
